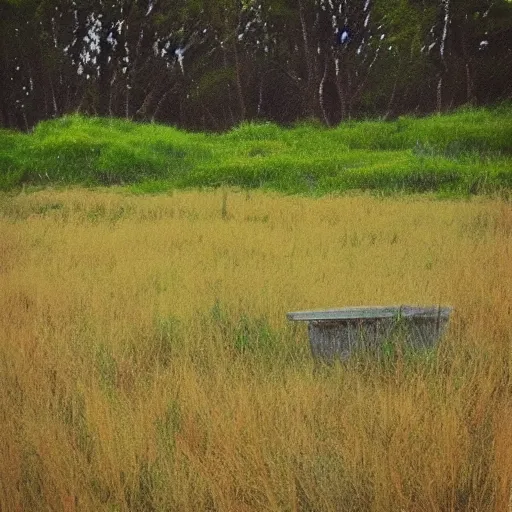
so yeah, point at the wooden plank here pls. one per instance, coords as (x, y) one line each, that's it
(370, 312)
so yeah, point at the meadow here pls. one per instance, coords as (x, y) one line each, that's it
(146, 362)
(461, 153)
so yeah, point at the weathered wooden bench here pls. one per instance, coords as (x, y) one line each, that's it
(337, 333)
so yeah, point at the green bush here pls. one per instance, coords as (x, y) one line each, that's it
(467, 151)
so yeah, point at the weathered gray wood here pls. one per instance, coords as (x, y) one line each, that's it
(336, 333)
(372, 312)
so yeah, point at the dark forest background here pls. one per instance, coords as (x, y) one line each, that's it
(209, 65)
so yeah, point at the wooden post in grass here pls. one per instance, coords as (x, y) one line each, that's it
(337, 333)
(224, 209)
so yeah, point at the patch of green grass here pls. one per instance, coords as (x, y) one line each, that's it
(465, 152)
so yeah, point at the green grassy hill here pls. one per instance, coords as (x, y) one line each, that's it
(469, 151)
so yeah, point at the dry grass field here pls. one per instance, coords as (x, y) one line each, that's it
(146, 363)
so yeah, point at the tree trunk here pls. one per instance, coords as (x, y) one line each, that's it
(239, 87)
(311, 90)
(470, 86)
(442, 47)
(321, 95)
(341, 90)
(389, 108)
(439, 99)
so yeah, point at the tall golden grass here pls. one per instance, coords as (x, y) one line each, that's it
(146, 362)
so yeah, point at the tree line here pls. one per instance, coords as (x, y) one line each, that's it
(209, 65)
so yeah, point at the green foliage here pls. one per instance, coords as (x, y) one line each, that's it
(249, 337)
(254, 131)
(468, 151)
(11, 173)
(214, 83)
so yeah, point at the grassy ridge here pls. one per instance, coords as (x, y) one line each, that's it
(467, 151)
